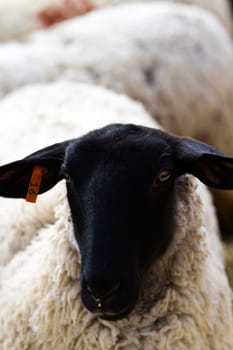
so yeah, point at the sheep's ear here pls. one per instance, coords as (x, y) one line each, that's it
(203, 161)
(34, 174)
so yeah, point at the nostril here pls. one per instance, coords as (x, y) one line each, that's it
(102, 291)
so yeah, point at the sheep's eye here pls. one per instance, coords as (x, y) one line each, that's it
(164, 175)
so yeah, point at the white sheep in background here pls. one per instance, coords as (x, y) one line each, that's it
(20, 17)
(176, 59)
(185, 299)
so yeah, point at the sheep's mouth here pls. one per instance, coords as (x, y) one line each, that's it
(110, 316)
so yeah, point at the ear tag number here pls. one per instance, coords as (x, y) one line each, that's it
(35, 183)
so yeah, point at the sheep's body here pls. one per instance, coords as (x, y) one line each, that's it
(18, 18)
(186, 300)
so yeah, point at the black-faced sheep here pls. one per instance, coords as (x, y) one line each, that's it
(133, 259)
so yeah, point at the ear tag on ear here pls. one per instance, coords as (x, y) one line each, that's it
(35, 183)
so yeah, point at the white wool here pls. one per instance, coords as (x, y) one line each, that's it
(19, 17)
(185, 301)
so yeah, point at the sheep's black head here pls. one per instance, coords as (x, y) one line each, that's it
(120, 182)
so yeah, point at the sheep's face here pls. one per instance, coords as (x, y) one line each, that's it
(120, 204)
(120, 183)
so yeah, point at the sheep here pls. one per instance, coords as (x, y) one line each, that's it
(183, 103)
(66, 289)
(20, 17)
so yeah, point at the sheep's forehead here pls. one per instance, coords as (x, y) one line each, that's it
(120, 142)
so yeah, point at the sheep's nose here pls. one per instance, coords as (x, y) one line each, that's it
(100, 291)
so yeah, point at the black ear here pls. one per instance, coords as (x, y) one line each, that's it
(34, 174)
(206, 163)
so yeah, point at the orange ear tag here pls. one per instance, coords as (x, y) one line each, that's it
(35, 183)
